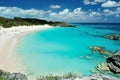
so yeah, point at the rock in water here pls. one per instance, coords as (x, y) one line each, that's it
(102, 67)
(114, 62)
(101, 50)
(113, 37)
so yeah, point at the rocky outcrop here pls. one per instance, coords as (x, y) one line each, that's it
(101, 50)
(78, 77)
(12, 76)
(97, 77)
(70, 76)
(17, 76)
(112, 37)
(102, 67)
(114, 62)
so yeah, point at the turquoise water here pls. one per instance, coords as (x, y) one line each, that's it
(59, 50)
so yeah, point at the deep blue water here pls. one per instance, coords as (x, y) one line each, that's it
(109, 26)
(59, 50)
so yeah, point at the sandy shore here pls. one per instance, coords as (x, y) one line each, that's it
(8, 61)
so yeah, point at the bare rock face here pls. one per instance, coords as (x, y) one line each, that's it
(114, 62)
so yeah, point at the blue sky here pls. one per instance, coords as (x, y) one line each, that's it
(63, 10)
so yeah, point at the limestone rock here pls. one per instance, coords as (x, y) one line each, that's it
(112, 37)
(114, 62)
(95, 77)
(12, 76)
(98, 77)
(17, 76)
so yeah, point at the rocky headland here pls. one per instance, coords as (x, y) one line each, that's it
(114, 62)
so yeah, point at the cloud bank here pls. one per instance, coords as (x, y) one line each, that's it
(111, 4)
(67, 15)
(93, 2)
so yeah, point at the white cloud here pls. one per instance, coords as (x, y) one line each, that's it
(86, 2)
(117, 15)
(60, 15)
(92, 14)
(49, 11)
(100, 1)
(93, 2)
(64, 12)
(18, 12)
(111, 4)
(77, 10)
(109, 12)
(77, 15)
(55, 6)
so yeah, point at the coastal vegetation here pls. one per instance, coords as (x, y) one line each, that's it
(56, 77)
(17, 21)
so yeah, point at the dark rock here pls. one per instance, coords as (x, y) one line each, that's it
(114, 62)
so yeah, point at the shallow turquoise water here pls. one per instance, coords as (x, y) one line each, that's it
(58, 50)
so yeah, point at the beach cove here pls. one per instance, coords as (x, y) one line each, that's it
(44, 50)
(60, 40)
(9, 61)
(62, 50)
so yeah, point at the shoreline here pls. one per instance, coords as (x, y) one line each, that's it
(9, 61)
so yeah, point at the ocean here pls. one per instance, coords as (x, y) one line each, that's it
(61, 50)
